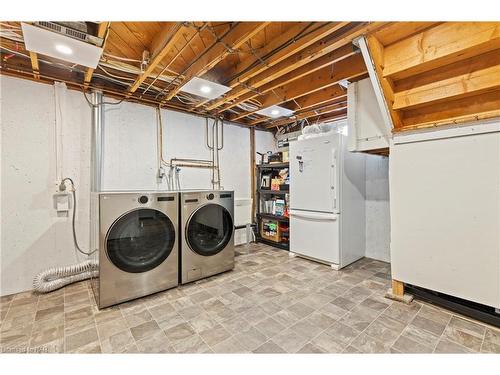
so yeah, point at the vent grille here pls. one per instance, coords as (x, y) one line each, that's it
(72, 33)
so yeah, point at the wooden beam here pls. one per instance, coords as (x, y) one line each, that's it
(330, 58)
(338, 108)
(242, 69)
(471, 108)
(330, 95)
(101, 33)
(169, 39)
(396, 31)
(312, 35)
(398, 288)
(218, 51)
(34, 65)
(323, 78)
(441, 45)
(281, 63)
(297, 60)
(377, 55)
(480, 81)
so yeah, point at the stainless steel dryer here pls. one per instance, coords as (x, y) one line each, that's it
(207, 224)
(138, 245)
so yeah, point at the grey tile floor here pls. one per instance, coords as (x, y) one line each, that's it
(270, 303)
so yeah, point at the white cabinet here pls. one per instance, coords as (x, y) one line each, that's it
(445, 212)
(367, 130)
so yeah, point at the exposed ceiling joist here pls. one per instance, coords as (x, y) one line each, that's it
(162, 44)
(329, 59)
(34, 65)
(101, 33)
(256, 58)
(441, 45)
(377, 55)
(296, 61)
(328, 96)
(311, 35)
(338, 107)
(477, 82)
(279, 63)
(218, 51)
(328, 76)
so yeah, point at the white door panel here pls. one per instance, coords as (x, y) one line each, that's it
(315, 235)
(313, 173)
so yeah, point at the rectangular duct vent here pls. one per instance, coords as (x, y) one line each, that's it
(72, 33)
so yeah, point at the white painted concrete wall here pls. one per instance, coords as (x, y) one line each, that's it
(34, 237)
(378, 220)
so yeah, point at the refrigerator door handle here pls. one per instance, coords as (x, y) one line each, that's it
(333, 178)
(313, 215)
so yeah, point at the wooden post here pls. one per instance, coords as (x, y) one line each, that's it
(253, 184)
(398, 288)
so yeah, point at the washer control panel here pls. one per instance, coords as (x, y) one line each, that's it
(143, 199)
(210, 196)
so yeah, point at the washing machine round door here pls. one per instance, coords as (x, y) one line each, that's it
(209, 229)
(140, 240)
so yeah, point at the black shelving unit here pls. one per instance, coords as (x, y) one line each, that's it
(262, 193)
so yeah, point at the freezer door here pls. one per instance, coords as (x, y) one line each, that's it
(315, 235)
(314, 168)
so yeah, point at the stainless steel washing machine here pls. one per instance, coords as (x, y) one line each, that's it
(138, 245)
(207, 246)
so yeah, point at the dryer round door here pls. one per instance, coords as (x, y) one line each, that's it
(209, 229)
(140, 240)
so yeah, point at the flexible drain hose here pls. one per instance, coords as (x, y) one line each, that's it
(57, 277)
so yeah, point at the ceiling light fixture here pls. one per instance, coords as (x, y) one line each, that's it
(205, 89)
(64, 49)
(59, 46)
(275, 111)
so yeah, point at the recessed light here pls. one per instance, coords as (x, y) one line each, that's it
(65, 50)
(205, 89)
(275, 111)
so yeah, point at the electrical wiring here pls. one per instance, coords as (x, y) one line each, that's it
(115, 76)
(94, 105)
(195, 60)
(121, 58)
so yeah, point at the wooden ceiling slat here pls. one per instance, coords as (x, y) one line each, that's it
(323, 78)
(278, 64)
(468, 84)
(175, 32)
(271, 45)
(101, 33)
(34, 65)
(396, 31)
(329, 59)
(317, 50)
(441, 45)
(338, 107)
(377, 55)
(217, 52)
(330, 95)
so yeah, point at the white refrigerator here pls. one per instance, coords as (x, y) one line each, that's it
(327, 200)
